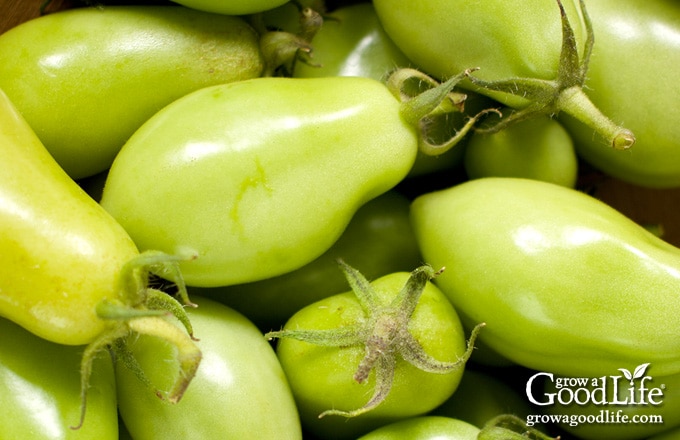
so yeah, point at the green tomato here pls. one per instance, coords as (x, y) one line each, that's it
(379, 239)
(531, 55)
(239, 391)
(87, 78)
(299, 18)
(481, 396)
(506, 39)
(62, 253)
(642, 416)
(259, 177)
(40, 390)
(539, 148)
(352, 42)
(425, 428)
(232, 7)
(341, 349)
(642, 94)
(69, 273)
(565, 283)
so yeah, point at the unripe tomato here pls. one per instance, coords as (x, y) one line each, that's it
(86, 78)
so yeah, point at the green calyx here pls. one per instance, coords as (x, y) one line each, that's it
(282, 50)
(424, 99)
(141, 309)
(564, 93)
(384, 334)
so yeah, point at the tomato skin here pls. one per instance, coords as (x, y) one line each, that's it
(424, 428)
(232, 7)
(62, 253)
(642, 94)
(69, 273)
(352, 42)
(269, 189)
(379, 239)
(321, 378)
(40, 390)
(500, 37)
(594, 286)
(239, 390)
(85, 79)
(539, 148)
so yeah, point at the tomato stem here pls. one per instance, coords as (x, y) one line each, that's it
(436, 99)
(576, 103)
(563, 94)
(188, 354)
(137, 299)
(432, 149)
(164, 303)
(89, 355)
(116, 311)
(427, 99)
(141, 309)
(282, 50)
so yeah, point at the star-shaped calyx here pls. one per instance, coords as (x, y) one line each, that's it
(565, 93)
(384, 333)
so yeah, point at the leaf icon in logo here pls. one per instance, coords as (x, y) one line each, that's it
(626, 374)
(638, 373)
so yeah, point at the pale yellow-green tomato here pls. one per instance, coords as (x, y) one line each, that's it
(259, 177)
(61, 252)
(565, 283)
(86, 78)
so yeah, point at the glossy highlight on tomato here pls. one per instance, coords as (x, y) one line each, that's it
(40, 390)
(259, 193)
(69, 273)
(642, 91)
(86, 78)
(532, 56)
(565, 283)
(352, 42)
(62, 252)
(85, 294)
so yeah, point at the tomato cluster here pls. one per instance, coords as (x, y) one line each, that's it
(277, 219)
